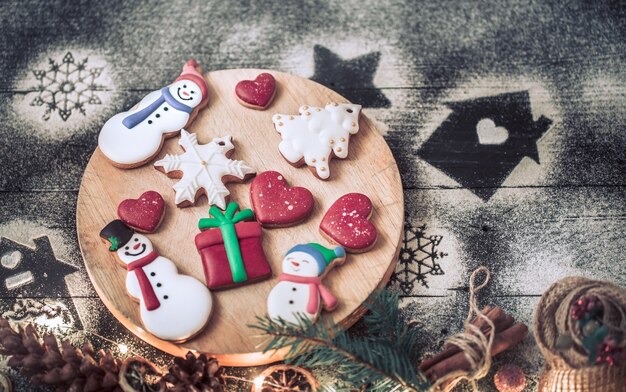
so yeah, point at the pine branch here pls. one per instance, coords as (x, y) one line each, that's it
(384, 360)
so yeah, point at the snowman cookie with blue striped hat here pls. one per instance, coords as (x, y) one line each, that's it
(300, 292)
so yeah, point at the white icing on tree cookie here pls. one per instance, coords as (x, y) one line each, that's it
(316, 134)
(203, 166)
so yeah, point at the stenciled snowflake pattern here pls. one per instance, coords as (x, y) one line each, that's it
(419, 257)
(203, 167)
(67, 86)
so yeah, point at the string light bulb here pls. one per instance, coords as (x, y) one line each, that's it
(258, 382)
(123, 348)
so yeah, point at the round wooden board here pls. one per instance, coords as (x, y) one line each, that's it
(370, 169)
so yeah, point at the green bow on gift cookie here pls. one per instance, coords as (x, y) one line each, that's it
(226, 223)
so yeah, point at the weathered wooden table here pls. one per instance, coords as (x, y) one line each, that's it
(506, 119)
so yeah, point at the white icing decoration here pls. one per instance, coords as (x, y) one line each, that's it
(131, 146)
(203, 166)
(278, 301)
(188, 305)
(316, 133)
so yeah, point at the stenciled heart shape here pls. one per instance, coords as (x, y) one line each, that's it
(347, 223)
(11, 260)
(277, 205)
(488, 133)
(143, 214)
(257, 93)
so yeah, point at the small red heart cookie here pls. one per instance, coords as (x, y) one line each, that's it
(257, 93)
(277, 205)
(347, 223)
(144, 214)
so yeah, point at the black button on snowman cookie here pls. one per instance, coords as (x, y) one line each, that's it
(172, 306)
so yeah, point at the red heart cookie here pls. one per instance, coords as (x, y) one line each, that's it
(144, 214)
(257, 93)
(277, 205)
(347, 223)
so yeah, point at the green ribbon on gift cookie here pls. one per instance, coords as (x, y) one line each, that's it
(226, 223)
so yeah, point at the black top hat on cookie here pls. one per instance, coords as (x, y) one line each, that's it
(117, 233)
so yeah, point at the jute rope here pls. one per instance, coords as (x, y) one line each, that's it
(475, 345)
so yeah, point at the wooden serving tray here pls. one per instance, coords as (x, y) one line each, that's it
(370, 169)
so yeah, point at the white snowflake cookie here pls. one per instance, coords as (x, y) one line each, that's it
(317, 135)
(203, 168)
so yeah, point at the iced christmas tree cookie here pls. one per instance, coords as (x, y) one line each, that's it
(203, 168)
(172, 306)
(317, 135)
(130, 139)
(277, 205)
(300, 292)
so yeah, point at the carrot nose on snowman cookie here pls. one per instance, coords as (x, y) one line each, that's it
(300, 292)
(153, 280)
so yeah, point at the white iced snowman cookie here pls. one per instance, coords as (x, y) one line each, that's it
(300, 292)
(172, 306)
(130, 139)
(317, 135)
(203, 168)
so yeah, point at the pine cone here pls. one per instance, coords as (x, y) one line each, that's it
(197, 374)
(69, 369)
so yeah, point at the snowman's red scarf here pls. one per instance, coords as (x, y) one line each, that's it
(147, 292)
(315, 287)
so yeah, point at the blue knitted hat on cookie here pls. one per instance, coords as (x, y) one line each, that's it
(322, 255)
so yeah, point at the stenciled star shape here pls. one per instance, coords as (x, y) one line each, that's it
(353, 78)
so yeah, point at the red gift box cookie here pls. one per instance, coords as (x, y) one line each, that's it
(231, 249)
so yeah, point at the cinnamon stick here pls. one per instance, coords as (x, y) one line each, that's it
(500, 319)
(502, 341)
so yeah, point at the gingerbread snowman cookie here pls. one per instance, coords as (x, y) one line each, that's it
(172, 306)
(300, 292)
(132, 138)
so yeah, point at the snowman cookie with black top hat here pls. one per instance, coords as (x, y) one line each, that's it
(300, 292)
(172, 306)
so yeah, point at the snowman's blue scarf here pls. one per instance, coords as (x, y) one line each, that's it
(131, 121)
